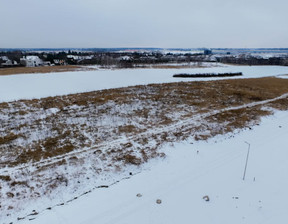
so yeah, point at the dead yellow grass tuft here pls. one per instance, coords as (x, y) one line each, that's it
(42, 69)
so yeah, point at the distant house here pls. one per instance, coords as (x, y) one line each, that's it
(125, 58)
(207, 51)
(59, 62)
(31, 61)
(46, 63)
(73, 57)
(211, 58)
(4, 58)
(6, 61)
(79, 58)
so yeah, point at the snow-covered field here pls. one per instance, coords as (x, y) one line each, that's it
(27, 86)
(212, 168)
(190, 172)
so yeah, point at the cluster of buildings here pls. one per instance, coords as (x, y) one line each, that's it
(129, 58)
(7, 62)
(35, 61)
(28, 61)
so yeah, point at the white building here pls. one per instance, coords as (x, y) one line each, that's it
(31, 61)
(7, 62)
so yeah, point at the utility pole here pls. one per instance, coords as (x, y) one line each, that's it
(246, 160)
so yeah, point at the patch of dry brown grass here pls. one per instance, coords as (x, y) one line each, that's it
(237, 119)
(90, 127)
(281, 104)
(8, 138)
(42, 69)
(187, 98)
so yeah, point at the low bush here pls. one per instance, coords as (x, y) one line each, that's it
(207, 75)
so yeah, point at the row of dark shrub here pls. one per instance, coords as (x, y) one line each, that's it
(254, 61)
(207, 75)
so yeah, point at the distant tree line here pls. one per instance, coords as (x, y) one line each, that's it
(118, 59)
(135, 59)
(254, 60)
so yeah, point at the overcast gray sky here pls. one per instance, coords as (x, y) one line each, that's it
(143, 23)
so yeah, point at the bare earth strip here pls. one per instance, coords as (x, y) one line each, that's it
(43, 69)
(75, 140)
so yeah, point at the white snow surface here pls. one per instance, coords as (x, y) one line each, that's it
(28, 86)
(190, 172)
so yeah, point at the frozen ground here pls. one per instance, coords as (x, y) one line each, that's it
(191, 171)
(27, 86)
(185, 176)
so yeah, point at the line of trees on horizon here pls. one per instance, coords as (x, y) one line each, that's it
(132, 59)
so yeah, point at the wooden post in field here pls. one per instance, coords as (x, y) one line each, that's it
(246, 160)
